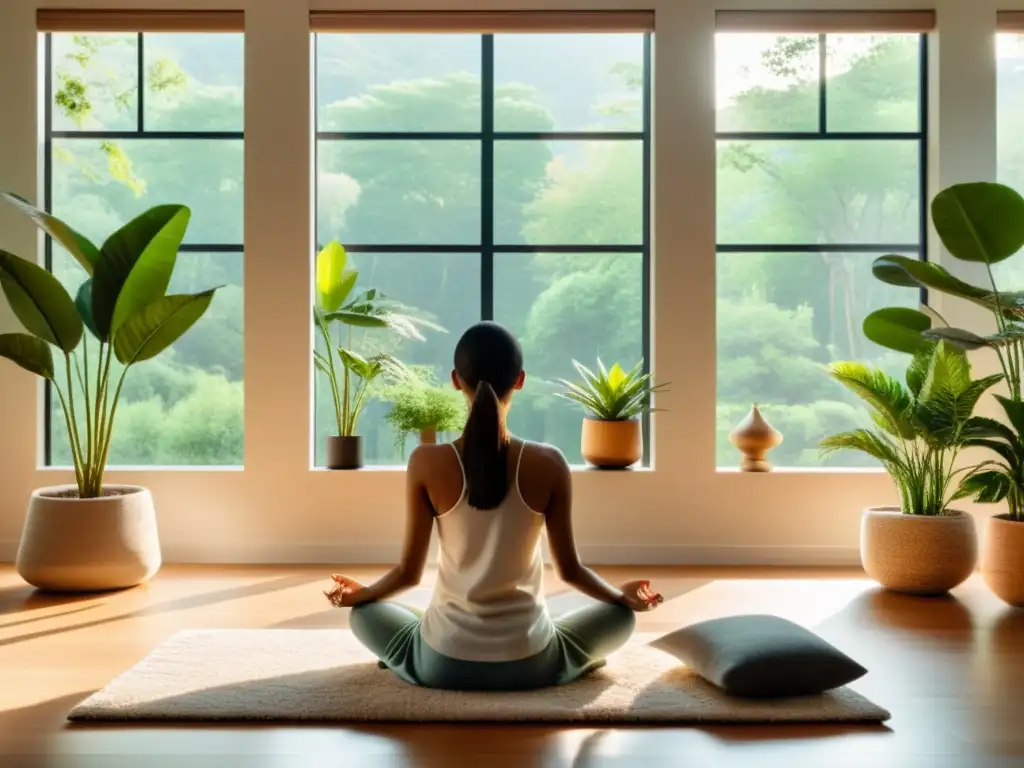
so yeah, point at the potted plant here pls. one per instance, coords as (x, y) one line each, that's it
(922, 546)
(349, 374)
(993, 481)
(614, 399)
(93, 535)
(978, 223)
(420, 405)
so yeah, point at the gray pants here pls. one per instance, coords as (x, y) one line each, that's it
(583, 639)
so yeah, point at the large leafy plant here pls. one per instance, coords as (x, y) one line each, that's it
(612, 394)
(920, 427)
(349, 373)
(123, 304)
(978, 223)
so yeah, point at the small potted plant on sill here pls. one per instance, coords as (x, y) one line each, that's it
(614, 399)
(978, 223)
(922, 546)
(420, 405)
(94, 535)
(349, 374)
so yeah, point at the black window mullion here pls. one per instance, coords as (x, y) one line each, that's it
(922, 96)
(487, 178)
(48, 207)
(645, 270)
(140, 86)
(822, 85)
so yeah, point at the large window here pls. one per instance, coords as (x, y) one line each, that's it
(1010, 157)
(132, 121)
(820, 170)
(494, 177)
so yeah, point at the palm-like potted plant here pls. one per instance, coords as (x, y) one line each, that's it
(922, 546)
(350, 374)
(614, 399)
(419, 405)
(93, 535)
(978, 223)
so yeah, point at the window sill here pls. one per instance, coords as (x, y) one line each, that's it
(154, 468)
(804, 471)
(574, 468)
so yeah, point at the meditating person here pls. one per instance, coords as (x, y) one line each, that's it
(487, 626)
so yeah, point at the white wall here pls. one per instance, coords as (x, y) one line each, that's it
(277, 510)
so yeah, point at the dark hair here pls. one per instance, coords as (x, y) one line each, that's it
(489, 360)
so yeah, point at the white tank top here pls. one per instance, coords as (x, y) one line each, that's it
(489, 601)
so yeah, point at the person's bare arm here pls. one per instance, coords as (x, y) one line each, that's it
(418, 527)
(636, 595)
(558, 520)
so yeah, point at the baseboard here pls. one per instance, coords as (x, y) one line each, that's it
(594, 554)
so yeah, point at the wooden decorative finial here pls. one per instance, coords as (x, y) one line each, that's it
(754, 437)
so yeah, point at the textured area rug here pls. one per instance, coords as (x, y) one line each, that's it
(326, 675)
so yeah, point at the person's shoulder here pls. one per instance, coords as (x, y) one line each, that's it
(427, 456)
(547, 456)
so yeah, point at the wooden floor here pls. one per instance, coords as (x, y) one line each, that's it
(950, 670)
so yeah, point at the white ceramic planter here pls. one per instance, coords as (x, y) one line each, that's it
(81, 545)
(918, 554)
(1002, 560)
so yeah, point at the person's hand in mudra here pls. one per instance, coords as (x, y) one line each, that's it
(639, 596)
(343, 594)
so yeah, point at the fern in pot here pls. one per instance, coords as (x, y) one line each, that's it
(920, 427)
(419, 405)
(94, 535)
(614, 399)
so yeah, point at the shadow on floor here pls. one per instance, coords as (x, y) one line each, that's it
(178, 604)
(18, 598)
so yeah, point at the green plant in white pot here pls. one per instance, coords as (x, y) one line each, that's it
(922, 546)
(614, 400)
(93, 535)
(349, 374)
(980, 224)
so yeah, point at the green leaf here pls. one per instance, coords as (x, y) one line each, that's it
(77, 245)
(980, 221)
(959, 338)
(898, 328)
(83, 303)
(879, 390)
(149, 332)
(356, 319)
(908, 272)
(135, 266)
(986, 487)
(917, 370)
(355, 362)
(40, 302)
(333, 282)
(1014, 412)
(31, 353)
(151, 275)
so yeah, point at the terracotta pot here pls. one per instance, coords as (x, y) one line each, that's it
(611, 444)
(80, 545)
(428, 436)
(344, 452)
(922, 555)
(1002, 560)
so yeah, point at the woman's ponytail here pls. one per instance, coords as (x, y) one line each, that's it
(485, 449)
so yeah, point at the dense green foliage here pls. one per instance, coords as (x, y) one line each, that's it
(781, 317)
(920, 428)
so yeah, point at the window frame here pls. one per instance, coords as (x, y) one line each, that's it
(140, 132)
(921, 136)
(488, 137)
